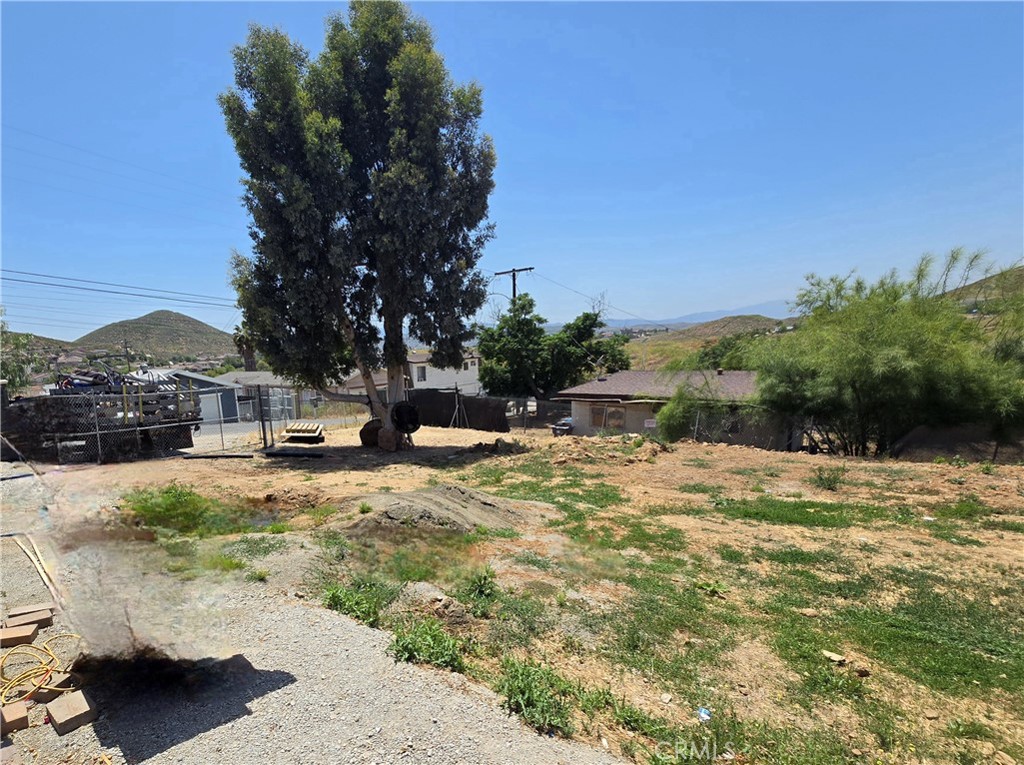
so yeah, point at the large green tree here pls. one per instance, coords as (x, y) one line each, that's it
(518, 358)
(367, 181)
(872, 361)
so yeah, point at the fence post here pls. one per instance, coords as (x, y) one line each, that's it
(259, 410)
(96, 424)
(696, 425)
(270, 415)
(220, 420)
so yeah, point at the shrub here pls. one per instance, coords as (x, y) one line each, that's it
(479, 592)
(182, 509)
(365, 507)
(257, 575)
(425, 641)
(363, 598)
(537, 694)
(828, 478)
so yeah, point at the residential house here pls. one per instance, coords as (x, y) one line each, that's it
(423, 376)
(628, 402)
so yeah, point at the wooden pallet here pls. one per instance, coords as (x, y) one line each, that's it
(304, 433)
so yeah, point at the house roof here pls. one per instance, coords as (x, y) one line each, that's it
(165, 374)
(727, 386)
(240, 377)
(423, 357)
(380, 380)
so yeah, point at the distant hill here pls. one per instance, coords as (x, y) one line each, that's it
(161, 334)
(1004, 284)
(42, 343)
(776, 308)
(654, 351)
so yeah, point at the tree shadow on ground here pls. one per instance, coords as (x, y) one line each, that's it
(327, 459)
(149, 702)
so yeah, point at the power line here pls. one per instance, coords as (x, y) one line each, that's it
(107, 157)
(595, 300)
(57, 298)
(117, 292)
(112, 284)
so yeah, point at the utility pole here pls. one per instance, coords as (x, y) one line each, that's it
(127, 357)
(513, 271)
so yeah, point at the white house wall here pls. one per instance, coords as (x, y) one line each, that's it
(468, 380)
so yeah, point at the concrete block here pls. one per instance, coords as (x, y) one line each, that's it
(19, 610)
(26, 633)
(13, 717)
(40, 618)
(58, 680)
(70, 711)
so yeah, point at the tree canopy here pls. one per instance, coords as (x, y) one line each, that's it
(367, 181)
(518, 358)
(16, 358)
(872, 361)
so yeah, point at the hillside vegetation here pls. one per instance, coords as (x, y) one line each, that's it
(161, 334)
(659, 350)
(998, 286)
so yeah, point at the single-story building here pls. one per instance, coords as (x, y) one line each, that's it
(628, 402)
(282, 399)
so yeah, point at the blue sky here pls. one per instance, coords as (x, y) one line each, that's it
(675, 157)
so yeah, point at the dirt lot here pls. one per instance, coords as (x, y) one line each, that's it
(612, 588)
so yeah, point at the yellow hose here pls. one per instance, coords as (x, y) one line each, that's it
(34, 678)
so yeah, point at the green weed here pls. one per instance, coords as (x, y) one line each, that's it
(257, 575)
(828, 478)
(537, 694)
(363, 598)
(182, 509)
(530, 558)
(972, 729)
(221, 562)
(425, 641)
(799, 512)
(321, 514)
(731, 554)
(701, 488)
(479, 592)
(253, 547)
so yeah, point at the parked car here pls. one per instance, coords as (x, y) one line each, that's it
(563, 427)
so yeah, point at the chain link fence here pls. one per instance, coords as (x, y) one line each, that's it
(142, 421)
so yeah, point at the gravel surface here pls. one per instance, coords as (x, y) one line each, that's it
(321, 688)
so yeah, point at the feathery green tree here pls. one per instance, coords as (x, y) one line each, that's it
(367, 181)
(872, 361)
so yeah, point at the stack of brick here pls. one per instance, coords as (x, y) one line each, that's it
(65, 708)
